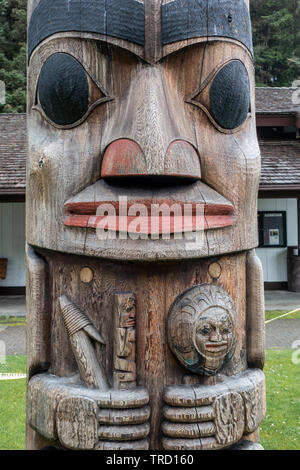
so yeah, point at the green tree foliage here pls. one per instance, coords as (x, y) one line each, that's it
(276, 35)
(13, 54)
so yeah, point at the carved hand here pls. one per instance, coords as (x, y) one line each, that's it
(201, 417)
(82, 418)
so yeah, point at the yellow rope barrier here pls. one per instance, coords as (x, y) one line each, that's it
(284, 315)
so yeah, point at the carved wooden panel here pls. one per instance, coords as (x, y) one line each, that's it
(202, 329)
(141, 118)
(125, 341)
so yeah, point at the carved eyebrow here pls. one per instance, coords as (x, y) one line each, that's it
(124, 20)
(188, 19)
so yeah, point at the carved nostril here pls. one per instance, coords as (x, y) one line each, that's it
(124, 157)
(182, 160)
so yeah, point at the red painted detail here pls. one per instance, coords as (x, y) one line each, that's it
(149, 225)
(149, 217)
(123, 157)
(90, 208)
(182, 160)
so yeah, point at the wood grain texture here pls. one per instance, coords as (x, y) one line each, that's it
(77, 424)
(229, 414)
(64, 412)
(77, 324)
(156, 287)
(202, 329)
(151, 106)
(151, 133)
(124, 341)
(38, 306)
(225, 412)
(255, 312)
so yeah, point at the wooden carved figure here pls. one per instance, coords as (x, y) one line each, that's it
(145, 295)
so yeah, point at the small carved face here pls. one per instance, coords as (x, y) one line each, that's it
(201, 329)
(127, 318)
(213, 336)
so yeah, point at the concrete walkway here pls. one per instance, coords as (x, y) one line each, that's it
(12, 340)
(281, 334)
(13, 306)
(282, 300)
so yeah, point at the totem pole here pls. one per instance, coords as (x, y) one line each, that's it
(145, 295)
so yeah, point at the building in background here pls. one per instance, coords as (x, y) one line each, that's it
(278, 127)
(12, 203)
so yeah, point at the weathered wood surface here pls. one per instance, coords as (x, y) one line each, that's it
(224, 412)
(171, 117)
(156, 288)
(124, 341)
(79, 329)
(255, 312)
(150, 128)
(64, 410)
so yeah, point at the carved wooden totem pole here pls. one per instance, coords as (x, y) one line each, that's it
(145, 295)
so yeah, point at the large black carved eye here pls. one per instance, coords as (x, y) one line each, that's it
(230, 95)
(63, 89)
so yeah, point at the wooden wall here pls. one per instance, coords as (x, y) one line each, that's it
(12, 242)
(274, 259)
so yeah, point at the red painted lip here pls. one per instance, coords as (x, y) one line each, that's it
(216, 347)
(84, 214)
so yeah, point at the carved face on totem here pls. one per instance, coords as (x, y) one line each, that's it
(134, 106)
(127, 312)
(201, 329)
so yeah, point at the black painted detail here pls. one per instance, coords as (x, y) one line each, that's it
(230, 95)
(186, 19)
(123, 19)
(63, 89)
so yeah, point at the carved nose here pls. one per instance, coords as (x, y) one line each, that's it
(124, 157)
(150, 133)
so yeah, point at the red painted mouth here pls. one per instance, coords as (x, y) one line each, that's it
(195, 207)
(216, 347)
(187, 217)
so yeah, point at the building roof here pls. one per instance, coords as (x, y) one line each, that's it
(277, 101)
(12, 153)
(280, 165)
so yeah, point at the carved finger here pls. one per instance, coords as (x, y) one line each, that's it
(115, 445)
(124, 433)
(188, 415)
(120, 399)
(190, 444)
(121, 417)
(188, 430)
(181, 395)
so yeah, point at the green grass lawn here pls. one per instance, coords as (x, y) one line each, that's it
(12, 321)
(269, 314)
(12, 405)
(281, 428)
(279, 431)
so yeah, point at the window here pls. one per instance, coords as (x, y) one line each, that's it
(272, 229)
